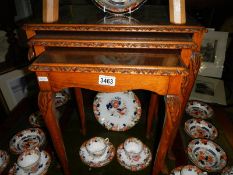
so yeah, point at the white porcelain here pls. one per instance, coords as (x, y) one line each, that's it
(96, 146)
(190, 170)
(198, 128)
(27, 139)
(198, 109)
(44, 164)
(142, 161)
(29, 160)
(117, 111)
(133, 147)
(207, 155)
(4, 160)
(97, 161)
(227, 171)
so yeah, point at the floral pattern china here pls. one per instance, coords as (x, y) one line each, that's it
(140, 163)
(45, 161)
(96, 161)
(27, 139)
(198, 109)
(198, 128)
(4, 160)
(207, 155)
(187, 170)
(117, 111)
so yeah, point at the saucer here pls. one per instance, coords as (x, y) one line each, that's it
(27, 139)
(134, 165)
(117, 111)
(42, 170)
(176, 171)
(100, 161)
(207, 155)
(198, 109)
(4, 160)
(198, 128)
(191, 170)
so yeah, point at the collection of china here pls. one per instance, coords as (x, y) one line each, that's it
(133, 154)
(97, 152)
(117, 111)
(33, 162)
(27, 139)
(4, 160)
(198, 109)
(119, 6)
(207, 155)
(198, 128)
(187, 170)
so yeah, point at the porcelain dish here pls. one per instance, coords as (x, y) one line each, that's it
(4, 160)
(138, 164)
(198, 109)
(44, 164)
(61, 98)
(227, 171)
(97, 161)
(117, 111)
(198, 128)
(119, 6)
(187, 170)
(27, 139)
(207, 155)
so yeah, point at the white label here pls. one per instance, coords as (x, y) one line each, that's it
(43, 79)
(107, 80)
(177, 11)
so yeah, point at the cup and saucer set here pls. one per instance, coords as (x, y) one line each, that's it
(131, 154)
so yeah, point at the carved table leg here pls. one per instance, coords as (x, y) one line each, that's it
(46, 105)
(152, 112)
(79, 102)
(173, 107)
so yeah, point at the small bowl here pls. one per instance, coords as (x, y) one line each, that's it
(199, 109)
(198, 128)
(4, 160)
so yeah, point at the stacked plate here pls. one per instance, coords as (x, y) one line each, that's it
(202, 151)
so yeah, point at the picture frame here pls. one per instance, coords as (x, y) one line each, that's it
(210, 90)
(213, 50)
(16, 85)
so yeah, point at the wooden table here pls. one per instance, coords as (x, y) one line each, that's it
(161, 58)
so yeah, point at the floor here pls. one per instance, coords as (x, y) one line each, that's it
(73, 139)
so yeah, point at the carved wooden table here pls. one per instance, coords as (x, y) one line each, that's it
(163, 59)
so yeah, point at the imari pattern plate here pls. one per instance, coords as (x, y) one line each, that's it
(117, 111)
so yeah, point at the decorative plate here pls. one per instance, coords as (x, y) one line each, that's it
(27, 139)
(227, 171)
(198, 109)
(198, 128)
(4, 160)
(117, 111)
(134, 165)
(207, 155)
(45, 161)
(36, 120)
(99, 161)
(61, 98)
(119, 6)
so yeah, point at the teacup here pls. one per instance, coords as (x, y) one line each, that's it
(191, 170)
(96, 146)
(29, 160)
(133, 147)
